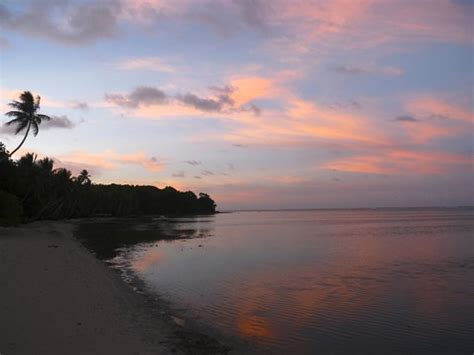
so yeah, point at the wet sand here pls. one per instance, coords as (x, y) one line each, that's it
(57, 298)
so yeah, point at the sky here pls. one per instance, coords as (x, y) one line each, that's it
(261, 104)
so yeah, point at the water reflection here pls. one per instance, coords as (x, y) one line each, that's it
(150, 258)
(328, 281)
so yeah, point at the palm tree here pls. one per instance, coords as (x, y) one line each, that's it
(84, 178)
(26, 115)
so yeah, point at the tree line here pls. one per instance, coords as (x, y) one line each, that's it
(32, 189)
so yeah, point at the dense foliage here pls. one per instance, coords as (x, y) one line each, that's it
(31, 189)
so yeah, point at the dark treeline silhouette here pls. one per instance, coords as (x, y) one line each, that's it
(31, 189)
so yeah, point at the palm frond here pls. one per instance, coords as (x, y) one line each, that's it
(21, 127)
(43, 117)
(26, 103)
(17, 120)
(27, 96)
(15, 104)
(35, 127)
(16, 114)
(37, 103)
(21, 106)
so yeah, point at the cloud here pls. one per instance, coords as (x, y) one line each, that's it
(141, 96)
(14, 94)
(179, 174)
(405, 118)
(255, 13)
(98, 163)
(399, 162)
(10, 130)
(249, 88)
(202, 104)
(193, 162)
(429, 106)
(79, 105)
(307, 24)
(222, 90)
(370, 23)
(220, 101)
(435, 117)
(64, 21)
(311, 24)
(348, 70)
(367, 69)
(227, 18)
(111, 160)
(146, 63)
(58, 122)
(355, 105)
(62, 122)
(290, 180)
(295, 121)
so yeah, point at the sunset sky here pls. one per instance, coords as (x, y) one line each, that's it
(261, 104)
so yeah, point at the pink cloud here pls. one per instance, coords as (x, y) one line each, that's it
(110, 160)
(352, 23)
(370, 22)
(400, 162)
(431, 106)
(432, 117)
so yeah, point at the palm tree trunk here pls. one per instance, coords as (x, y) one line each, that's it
(24, 138)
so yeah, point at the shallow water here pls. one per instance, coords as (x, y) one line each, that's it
(332, 281)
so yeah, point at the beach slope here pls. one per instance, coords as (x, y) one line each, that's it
(57, 298)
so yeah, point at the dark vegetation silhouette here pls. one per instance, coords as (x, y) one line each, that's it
(32, 189)
(26, 116)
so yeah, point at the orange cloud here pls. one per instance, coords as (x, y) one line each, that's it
(424, 131)
(430, 106)
(304, 121)
(435, 118)
(290, 179)
(251, 88)
(110, 160)
(399, 162)
(298, 120)
(320, 122)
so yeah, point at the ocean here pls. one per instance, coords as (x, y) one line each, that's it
(310, 281)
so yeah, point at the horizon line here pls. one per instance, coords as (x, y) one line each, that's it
(343, 208)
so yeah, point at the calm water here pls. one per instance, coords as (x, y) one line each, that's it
(339, 281)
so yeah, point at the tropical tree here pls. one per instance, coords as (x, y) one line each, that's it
(26, 116)
(84, 178)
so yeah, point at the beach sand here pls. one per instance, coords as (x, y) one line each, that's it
(57, 298)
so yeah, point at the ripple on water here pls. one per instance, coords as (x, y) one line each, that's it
(328, 280)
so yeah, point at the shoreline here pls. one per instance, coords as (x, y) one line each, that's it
(57, 297)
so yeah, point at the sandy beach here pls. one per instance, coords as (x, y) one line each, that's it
(57, 298)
